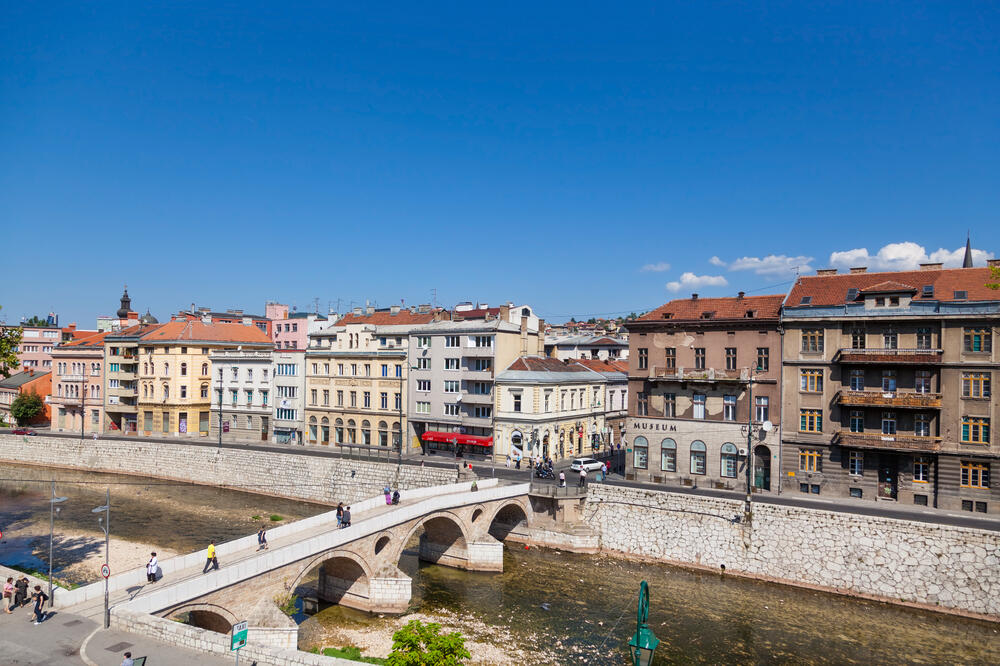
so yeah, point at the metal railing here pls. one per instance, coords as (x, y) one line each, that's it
(553, 489)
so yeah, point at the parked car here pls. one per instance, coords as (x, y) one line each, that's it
(588, 464)
(24, 431)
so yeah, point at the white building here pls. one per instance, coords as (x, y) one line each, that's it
(600, 347)
(241, 381)
(289, 388)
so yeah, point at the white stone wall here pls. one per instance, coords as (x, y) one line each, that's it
(315, 478)
(896, 560)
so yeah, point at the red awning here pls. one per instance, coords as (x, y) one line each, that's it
(456, 438)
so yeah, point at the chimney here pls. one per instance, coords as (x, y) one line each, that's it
(931, 267)
(740, 295)
(504, 313)
(993, 263)
(826, 271)
(394, 309)
(370, 309)
(206, 318)
(859, 269)
(694, 297)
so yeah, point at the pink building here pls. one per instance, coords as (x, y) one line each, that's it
(35, 350)
(290, 330)
(77, 383)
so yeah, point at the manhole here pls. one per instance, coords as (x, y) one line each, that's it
(72, 623)
(118, 647)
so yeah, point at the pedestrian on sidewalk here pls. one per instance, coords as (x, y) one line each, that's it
(340, 515)
(261, 539)
(151, 567)
(507, 462)
(21, 592)
(210, 562)
(347, 517)
(8, 594)
(562, 479)
(583, 477)
(40, 599)
(387, 491)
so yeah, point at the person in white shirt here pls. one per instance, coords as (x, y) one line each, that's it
(151, 567)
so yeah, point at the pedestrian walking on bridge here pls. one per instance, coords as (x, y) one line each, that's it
(210, 562)
(583, 477)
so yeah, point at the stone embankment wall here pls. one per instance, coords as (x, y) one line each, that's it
(314, 478)
(942, 567)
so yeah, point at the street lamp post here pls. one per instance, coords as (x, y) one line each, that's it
(644, 641)
(53, 509)
(105, 524)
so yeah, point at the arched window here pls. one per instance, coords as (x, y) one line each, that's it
(204, 390)
(145, 368)
(352, 432)
(730, 460)
(383, 433)
(60, 390)
(668, 455)
(166, 391)
(166, 368)
(184, 369)
(324, 426)
(313, 430)
(396, 439)
(339, 429)
(698, 457)
(640, 455)
(366, 433)
(145, 393)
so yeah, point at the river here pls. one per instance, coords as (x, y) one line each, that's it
(547, 607)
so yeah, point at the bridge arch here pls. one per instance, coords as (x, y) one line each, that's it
(343, 576)
(207, 616)
(443, 532)
(507, 517)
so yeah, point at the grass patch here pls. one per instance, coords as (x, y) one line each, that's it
(254, 517)
(352, 653)
(275, 518)
(287, 605)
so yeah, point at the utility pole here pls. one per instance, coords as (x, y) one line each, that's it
(746, 509)
(53, 509)
(105, 524)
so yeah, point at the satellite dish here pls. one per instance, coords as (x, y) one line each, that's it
(767, 426)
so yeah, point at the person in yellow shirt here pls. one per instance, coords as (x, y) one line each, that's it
(211, 562)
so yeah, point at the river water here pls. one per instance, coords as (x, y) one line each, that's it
(555, 607)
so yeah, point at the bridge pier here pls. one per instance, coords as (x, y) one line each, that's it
(390, 590)
(387, 591)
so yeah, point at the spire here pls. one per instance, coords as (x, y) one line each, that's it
(126, 305)
(967, 262)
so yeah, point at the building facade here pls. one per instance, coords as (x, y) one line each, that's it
(175, 373)
(888, 387)
(600, 347)
(37, 343)
(289, 388)
(290, 330)
(77, 399)
(702, 373)
(27, 381)
(241, 394)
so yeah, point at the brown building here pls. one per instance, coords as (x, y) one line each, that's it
(693, 364)
(888, 386)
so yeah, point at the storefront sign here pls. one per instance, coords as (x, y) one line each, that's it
(650, 425)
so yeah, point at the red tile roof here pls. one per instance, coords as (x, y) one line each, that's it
(91, 340)
(196, 330)
(545, 364)
(687, 309)
(478, 313)
(386, 318)
(604, 366)
(832, 289)
(888, 287)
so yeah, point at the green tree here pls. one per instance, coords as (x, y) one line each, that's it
(994, 282)
(10, 338)
(26, 407)
(419, 644)
(37, 321)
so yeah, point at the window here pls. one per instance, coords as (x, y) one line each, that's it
(383, 399)
(810, 460)
(975, 429)
(812, 340)
(888, 423)
(668, 455)
(366, 400)
(451, 409)
(923, 338)
(730, 460)
(640, 453)
(761, 410)
(451, 386)
(354, 369)
(978, 340)
(811, 381)
(858, 338)
(423, 364)
(698, 457)
(285, 370)
(730, 358)
(340, 369)
(857, 380)
(922, 425)
(729, 407)
(975, 385)
(184, 391)
(385, 370)
(975, 474)
(546, 400)
(423, 407)
(399, 371)
(424, 342)
(810, 420)
(763, 358)
(889, 381)
(960, 294)
(922, 381)
(643, 358)
(880, 301)
(671, 358)
(699, 358)
(204, 390)
(857, 420)
(326, 398)
(354, 398)
(340, 398)
(483, 412)
(922, 469)
(517, 401)
(234, 396)
(249, 397)
(482, 365)
(482, 341)
(699, 405)
(236, 372)
(890, 340)
(856, 463)
(423, 385)
(641, 403)
(313, 396)
(451, 364)
(669, 405)
(452, 341)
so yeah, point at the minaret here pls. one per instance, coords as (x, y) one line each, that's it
(126, 305)
(967, 262)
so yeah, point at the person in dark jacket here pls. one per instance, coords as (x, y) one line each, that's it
(40, 599)
(346, 522)
(21, 592)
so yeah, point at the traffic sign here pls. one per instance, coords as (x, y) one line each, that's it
(239, 638)
(105, 570)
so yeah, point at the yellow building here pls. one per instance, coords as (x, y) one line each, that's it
(175, 373)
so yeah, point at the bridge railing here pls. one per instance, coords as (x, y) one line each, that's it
(553, 489)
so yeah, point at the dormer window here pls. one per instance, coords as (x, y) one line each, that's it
(668, 315)
(928, 291)
(707, 315)
(880, 301)
(894, 300)
(806, 300)
(750, 314)
(852, 294)
(961, 295)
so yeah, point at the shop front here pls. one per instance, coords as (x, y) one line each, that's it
(456, 444)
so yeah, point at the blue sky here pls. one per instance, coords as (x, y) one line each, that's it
(580, 157)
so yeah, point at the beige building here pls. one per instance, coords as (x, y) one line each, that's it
(175, 373)
(888, 387)
(77, 398)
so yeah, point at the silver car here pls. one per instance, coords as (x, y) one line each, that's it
(588, 464)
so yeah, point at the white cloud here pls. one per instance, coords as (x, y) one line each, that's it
(691, 280)
(905, 256)
(658, 267)
(715, 261)
(774, 265)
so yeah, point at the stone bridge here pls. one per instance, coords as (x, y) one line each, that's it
(357, 566)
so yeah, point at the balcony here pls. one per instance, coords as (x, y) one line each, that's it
(477, 398)
(71, 378)
(891, 356)
(707, 376)
(122, 374)
(878, 441)
(889, 399)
